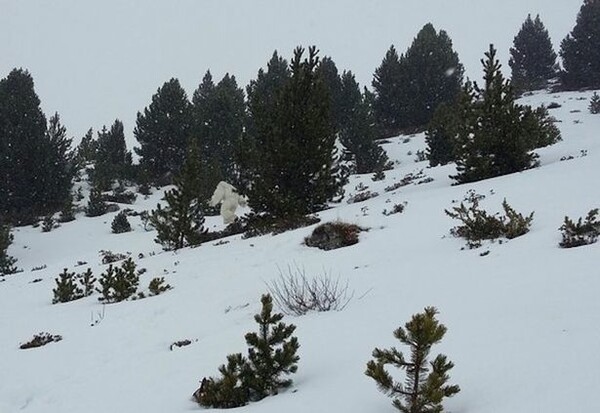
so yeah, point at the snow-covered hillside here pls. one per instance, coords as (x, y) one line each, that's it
(522, 320)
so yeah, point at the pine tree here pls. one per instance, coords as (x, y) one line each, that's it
(181, 222)
(86, 150)
(120, 224)
(271, 356)
(533, 60)
(219, 113)
(357, 131)
(431, 74)
(263, 97)
(96, 205)
(66, 288)
(163, 132)
(7, 263)
(35, 166)
(594, 106)
(113, 160)
(272, 352)
(497, 135)
(291, 158)
(426, 382)
(387, 100)
(580, 50)
(328, 70)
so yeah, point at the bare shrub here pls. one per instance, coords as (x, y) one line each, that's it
(295, 293)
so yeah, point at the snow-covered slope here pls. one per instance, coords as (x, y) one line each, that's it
(522, 320)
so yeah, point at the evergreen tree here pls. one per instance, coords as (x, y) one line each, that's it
(263, 96)
(386, 102)
(497, 135)
(291, 160)
(219, 113)
(163, 131)
(35, 167)
(59, 165)
(120, 224)
(181, 222)
(7, 263)
(271, 352)
(426, 383)
(271, 356)
(113, 160)
(357, 132)
(580, 50)
(431, 74)
(96, 205)
(86, 150)
(328, 70)
(594, 106)
(532, 58)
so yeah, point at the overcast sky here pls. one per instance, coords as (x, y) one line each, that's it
(94, 61)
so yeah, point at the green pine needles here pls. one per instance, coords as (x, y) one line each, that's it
(426, 382)
(271, 357)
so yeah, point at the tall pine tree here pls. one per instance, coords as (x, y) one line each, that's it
(580, 50)
(387, 100)
(292, 160)
(496, 135)
(357, 132)
(333, 82)
(532, 58)
(35, 164)
(219, 113)
(163, 132)
(113, 160)
(431, 74)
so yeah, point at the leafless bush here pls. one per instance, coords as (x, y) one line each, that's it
(296, 293)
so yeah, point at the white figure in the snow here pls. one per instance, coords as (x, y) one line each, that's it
(229, 198)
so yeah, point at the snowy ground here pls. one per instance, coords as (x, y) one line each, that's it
(523, 321)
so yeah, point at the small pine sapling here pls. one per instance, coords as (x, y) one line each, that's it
(594, 104)
(157, 286)
(478, 225)
(426, 382)
(580, 233)
(271, 355)
(231, 389)
(120, 224)
(118, 284)
(66, 288)
(87, 281)
(48, 223)
(96, 205)
(272, 352)
(7, 263)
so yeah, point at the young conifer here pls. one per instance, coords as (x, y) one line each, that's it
(7, 263)
(181, 222)
(426, 382)
(271, 356)
(120, 224)
(594, 107)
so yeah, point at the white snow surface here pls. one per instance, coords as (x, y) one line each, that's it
(523, 321)
(97, 61)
